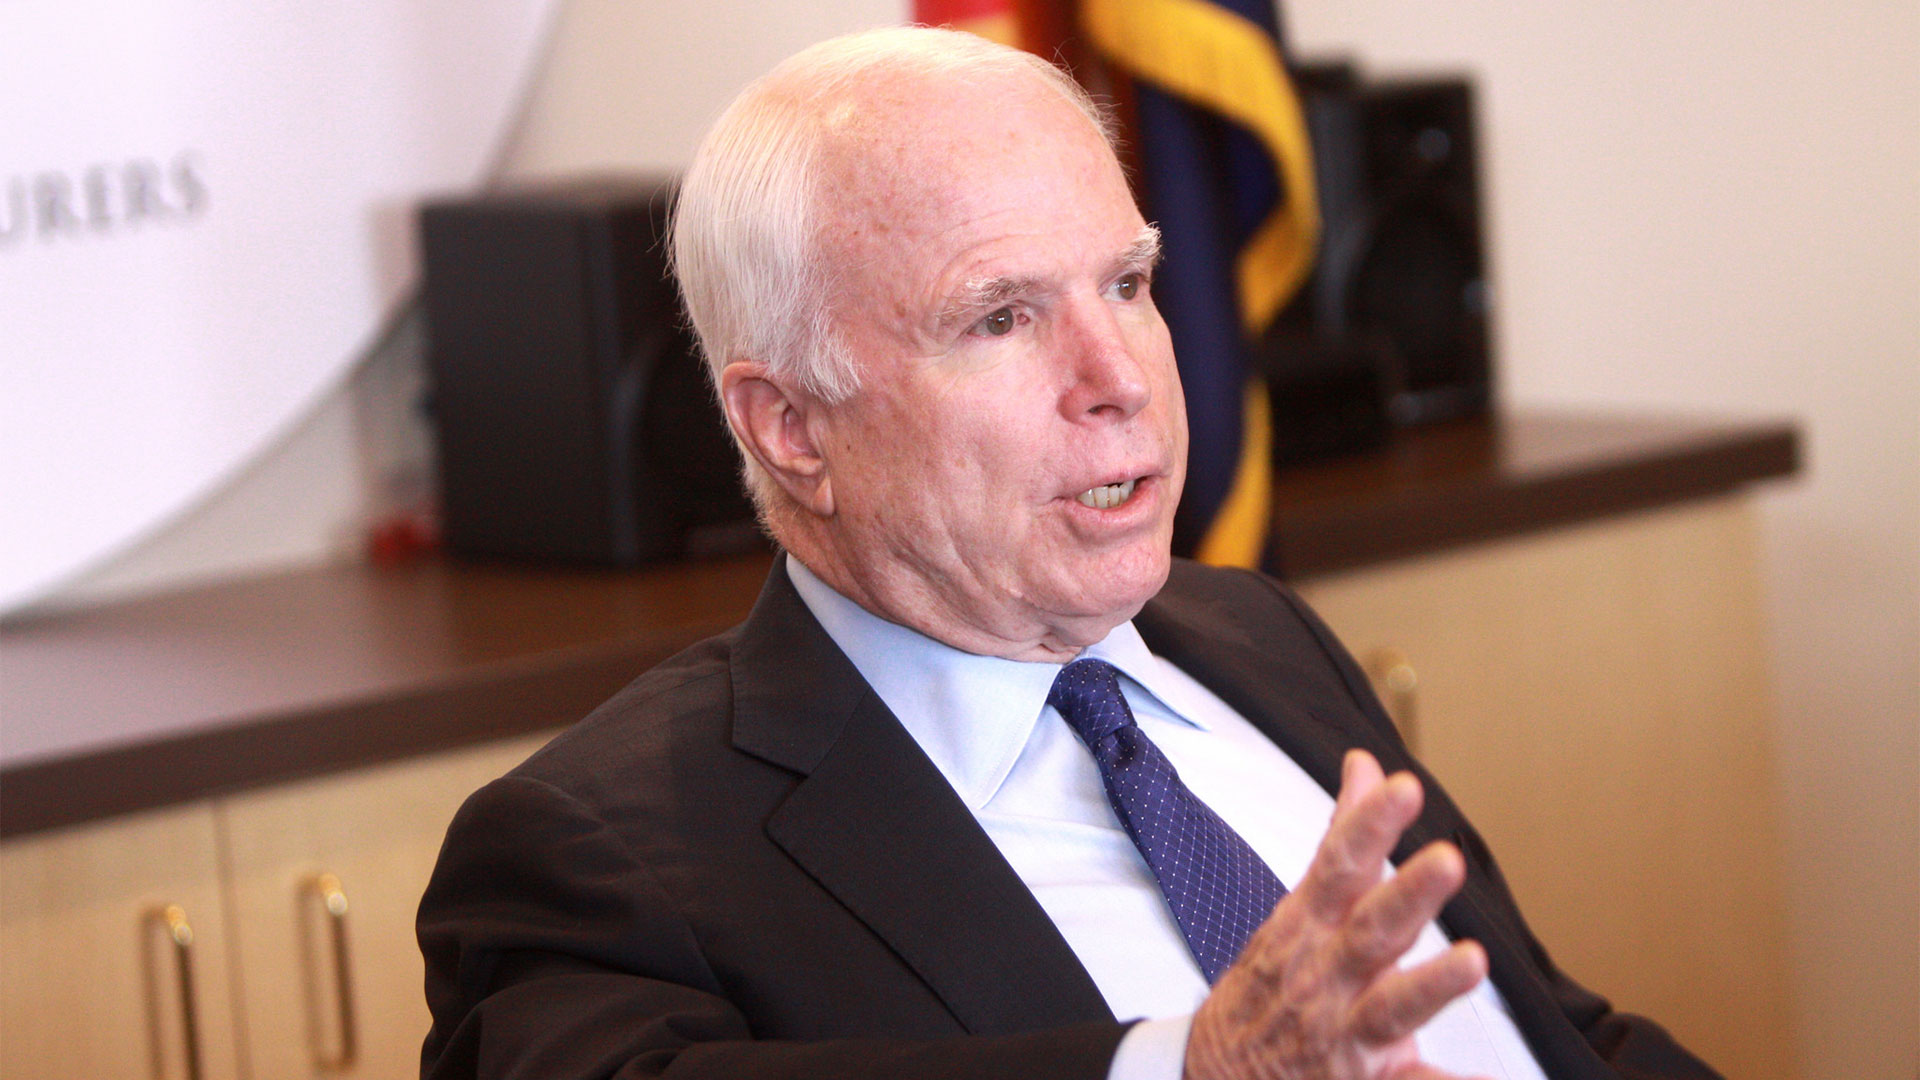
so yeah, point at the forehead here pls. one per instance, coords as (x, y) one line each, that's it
(918, 163)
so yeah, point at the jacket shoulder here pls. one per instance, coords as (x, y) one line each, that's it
(1243, 601)
(676, 711)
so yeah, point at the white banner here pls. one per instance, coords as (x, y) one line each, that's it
(205, 213)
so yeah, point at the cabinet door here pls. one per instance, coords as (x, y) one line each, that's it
(1596, 699)
(111, 951)
(366, 841)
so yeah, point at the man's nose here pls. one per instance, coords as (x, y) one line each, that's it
(1108, 365)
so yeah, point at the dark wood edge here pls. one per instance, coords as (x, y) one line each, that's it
(549, 690)
(509, 699)
(1345, 537)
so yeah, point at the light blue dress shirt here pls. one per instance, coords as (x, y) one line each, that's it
(985, 724)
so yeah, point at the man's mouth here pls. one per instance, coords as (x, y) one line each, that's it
(1107, 496)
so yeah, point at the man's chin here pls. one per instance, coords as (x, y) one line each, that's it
(1115, 586)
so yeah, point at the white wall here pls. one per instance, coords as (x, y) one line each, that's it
(1709, 206)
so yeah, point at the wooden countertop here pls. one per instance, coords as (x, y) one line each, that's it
(261, 681)
(1479, 480)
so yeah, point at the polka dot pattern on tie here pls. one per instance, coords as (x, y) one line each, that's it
(1219, 889)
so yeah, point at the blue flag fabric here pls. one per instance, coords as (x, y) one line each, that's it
(1213, 147)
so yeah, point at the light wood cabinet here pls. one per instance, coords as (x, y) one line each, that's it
(87, 977)
(377, 832)
(91, 982)
(1596, 699)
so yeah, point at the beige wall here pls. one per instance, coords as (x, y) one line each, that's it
(1715, 206)
(1709, 206)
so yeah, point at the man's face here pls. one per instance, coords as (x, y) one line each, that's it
(1014, 371)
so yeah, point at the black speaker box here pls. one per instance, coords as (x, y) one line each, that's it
(573, 417)
(1327, 399)
(1400, 273)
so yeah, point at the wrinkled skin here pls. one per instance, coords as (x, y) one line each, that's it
(994, 295)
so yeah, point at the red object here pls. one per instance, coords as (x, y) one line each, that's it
(1045, 27)
(942, 12)
(401, 539)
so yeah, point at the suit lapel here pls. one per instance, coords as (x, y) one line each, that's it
(878, 827)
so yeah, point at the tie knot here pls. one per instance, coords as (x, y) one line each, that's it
(1087, 694)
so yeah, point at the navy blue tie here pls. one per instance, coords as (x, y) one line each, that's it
(1219, 889)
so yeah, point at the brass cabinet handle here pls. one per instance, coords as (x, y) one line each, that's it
(1398, 683)
(171, 921)
(325, 888)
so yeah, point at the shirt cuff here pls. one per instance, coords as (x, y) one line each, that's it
(1152, 1050)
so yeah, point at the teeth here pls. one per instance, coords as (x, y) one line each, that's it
(1107, 496)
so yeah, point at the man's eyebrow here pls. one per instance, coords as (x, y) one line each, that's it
(984, 294)
(1144, 253)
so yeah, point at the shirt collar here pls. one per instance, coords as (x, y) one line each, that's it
(971, 714)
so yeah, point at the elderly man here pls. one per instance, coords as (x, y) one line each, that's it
(985, 774)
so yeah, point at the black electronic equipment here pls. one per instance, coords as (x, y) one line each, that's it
(574, 420)
(1400, 273)
(1326, 398)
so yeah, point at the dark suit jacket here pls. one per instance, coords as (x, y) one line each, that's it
(743, 866)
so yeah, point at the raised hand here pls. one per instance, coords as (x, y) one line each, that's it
(1316, 994)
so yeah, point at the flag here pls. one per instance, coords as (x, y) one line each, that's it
(1228, 175)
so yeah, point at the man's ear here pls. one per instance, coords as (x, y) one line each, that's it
(770, 419)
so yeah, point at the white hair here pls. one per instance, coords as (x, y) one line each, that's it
(746, 231)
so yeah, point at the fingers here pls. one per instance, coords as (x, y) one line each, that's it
(1400, 1002)
(1368, 818)
(1359, 774)
(1318, 991)
(1383, 924)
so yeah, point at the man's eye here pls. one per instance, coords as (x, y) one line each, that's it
(996, 324)
(1129, 286)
